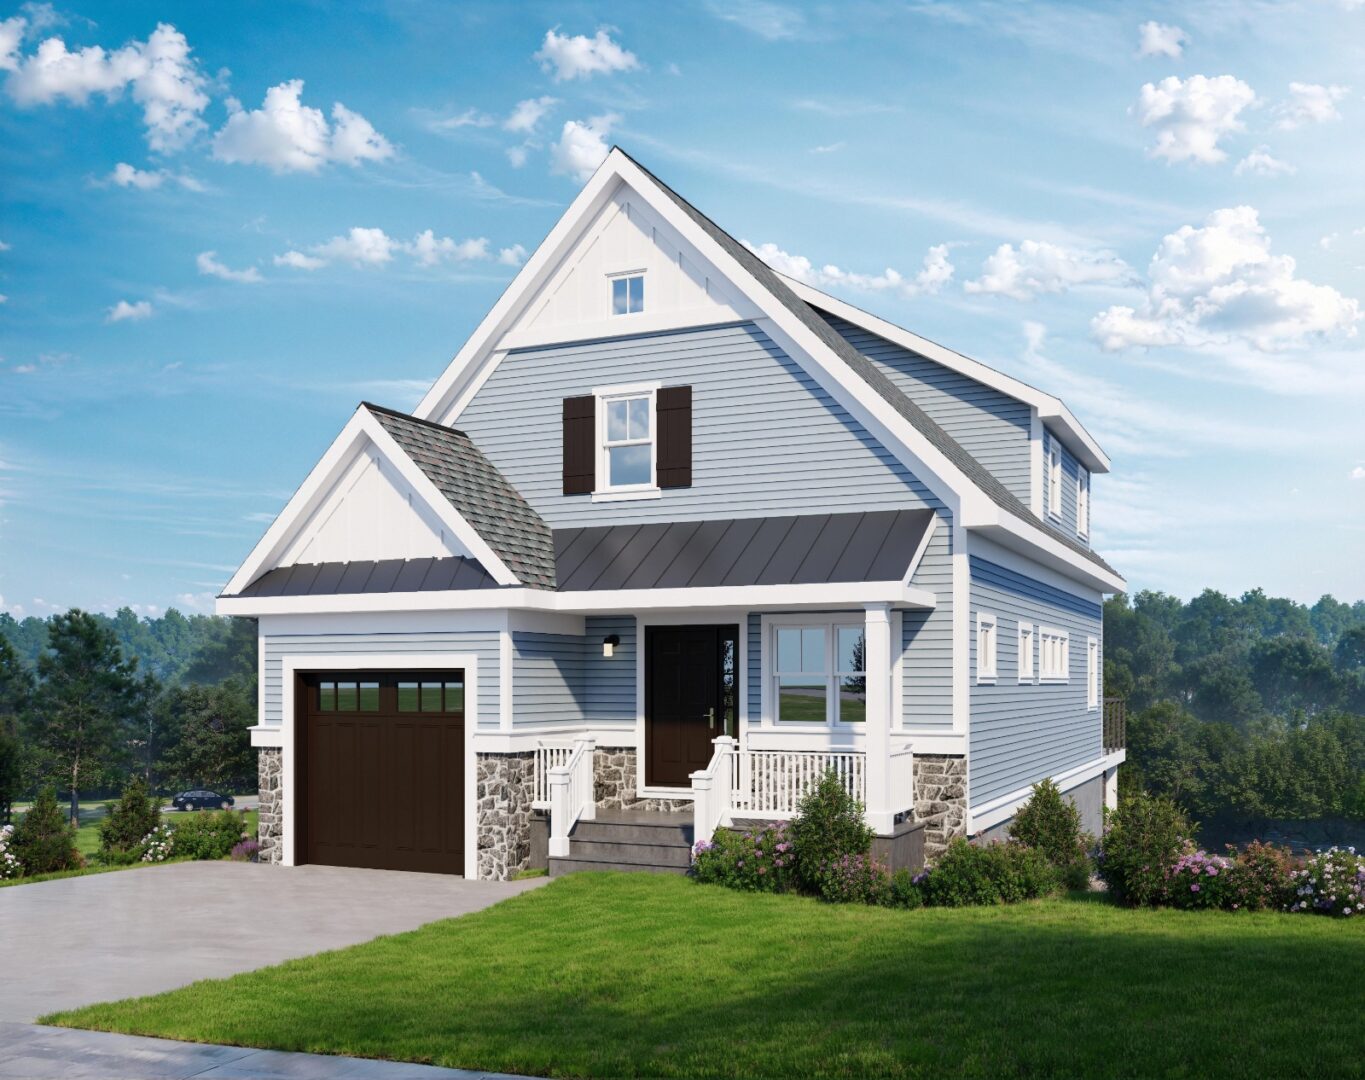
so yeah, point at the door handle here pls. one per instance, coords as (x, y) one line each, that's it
(711, 718)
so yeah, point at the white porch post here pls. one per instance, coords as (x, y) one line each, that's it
(877, 664)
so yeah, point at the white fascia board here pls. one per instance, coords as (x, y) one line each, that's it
(768, 597)
(1017, 535)
(1052, 409)
(992, 813)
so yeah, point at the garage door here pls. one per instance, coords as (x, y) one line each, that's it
(382, 769)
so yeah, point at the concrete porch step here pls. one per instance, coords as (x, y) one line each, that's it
(635, 854)
(674, 831)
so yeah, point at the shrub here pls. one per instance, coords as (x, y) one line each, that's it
(1331, 883)
(1052, 824)
(209, 836)
(1261, 878)
(128, 823)
(854, 879)
(9, 861)
(1199, 880)
(158, 845)
(44, 840)
(245, 851)
(904, 891)
(1145, 838)
(828, 827)
(759, 861)
(972, 874)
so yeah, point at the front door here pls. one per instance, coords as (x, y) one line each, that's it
(690, 698)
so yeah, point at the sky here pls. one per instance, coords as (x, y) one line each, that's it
(222, 226)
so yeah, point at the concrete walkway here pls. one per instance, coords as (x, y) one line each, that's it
(29, 1052)
(84, 940)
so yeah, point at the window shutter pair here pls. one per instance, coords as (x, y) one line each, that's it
(672, 440)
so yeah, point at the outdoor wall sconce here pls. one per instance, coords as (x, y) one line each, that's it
(609, 644)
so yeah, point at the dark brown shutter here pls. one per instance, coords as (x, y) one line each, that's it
(580, 445)
(674, 464)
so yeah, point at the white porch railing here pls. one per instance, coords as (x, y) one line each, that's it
(571, 794)
(713, 790)
(549, 755)
(902, 778)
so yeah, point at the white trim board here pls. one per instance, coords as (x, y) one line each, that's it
(988, 814)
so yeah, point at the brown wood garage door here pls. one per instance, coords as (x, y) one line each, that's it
(381, 769)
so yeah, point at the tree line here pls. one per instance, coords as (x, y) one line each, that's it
(87, 700)
(1242, 708)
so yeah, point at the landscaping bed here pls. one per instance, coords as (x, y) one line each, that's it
(612, 974)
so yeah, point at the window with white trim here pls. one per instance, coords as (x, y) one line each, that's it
(628, 294)
(1026, 652)
(1054, 654)
(1092, 673)
(626, 438)
(819, 673)
(985, 647)
(1054, 479)
(1082, 501)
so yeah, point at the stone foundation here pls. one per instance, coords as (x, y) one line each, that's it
(505, 786)
(614, 775)
(270, 829)
(940, 800)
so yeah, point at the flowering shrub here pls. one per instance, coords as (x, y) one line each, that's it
(246, 851)
(829, 825)
(158, 845)
(971, 874)
(9, 862)
(854, 879)
(209, 836)
(1199, 880)
(1145, 838)
(904, 891)
(1332, 883)
(763, 860)
(1261, 878)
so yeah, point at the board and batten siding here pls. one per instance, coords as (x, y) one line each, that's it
(1070, 471)
(766, 439)
(483, 643)
(927, 639)
(991, 426)
(1021, 733)
(563, 679)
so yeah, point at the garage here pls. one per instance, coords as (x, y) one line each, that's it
(381, 769)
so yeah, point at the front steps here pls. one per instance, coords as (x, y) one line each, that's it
(629, 840)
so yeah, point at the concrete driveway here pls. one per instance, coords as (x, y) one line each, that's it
(108, 936)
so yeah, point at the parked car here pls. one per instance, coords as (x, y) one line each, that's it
(201, 799)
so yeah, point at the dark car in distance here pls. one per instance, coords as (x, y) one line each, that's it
(201, 799)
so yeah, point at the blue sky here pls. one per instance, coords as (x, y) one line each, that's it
(225, 225)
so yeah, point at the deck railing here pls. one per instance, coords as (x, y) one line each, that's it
(571, 794)
(770, 783)
(712, 790)
(550, 754)
(1115, 724)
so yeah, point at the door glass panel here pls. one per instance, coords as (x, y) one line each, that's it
(801, 698)
(431, 697)
(327, 697)
(369, 697)
(346, 697)
(407, 697)
(728, 685)
(455, 697)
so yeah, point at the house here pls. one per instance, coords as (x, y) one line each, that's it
(674, 534)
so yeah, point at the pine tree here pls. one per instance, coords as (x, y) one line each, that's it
(43, 840)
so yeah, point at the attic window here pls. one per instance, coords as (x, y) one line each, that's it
(628, 294)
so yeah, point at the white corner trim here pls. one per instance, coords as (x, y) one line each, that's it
(1001, 809)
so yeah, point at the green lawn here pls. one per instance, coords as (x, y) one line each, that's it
(620, 975)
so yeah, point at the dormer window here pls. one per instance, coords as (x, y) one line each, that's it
(628, 294)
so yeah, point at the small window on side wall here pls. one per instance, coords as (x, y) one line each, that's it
(628, 294)
(985, 648)
(1026, 652)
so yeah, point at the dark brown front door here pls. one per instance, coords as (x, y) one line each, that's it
(381, 770)
(690, 690)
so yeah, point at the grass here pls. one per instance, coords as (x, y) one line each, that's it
(631, 975)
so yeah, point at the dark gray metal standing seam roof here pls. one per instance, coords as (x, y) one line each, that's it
(806, 549)
(868, 372)
(389, 575)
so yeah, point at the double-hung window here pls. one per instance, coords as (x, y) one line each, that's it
(1054, 649)
(627, 294)
(627, 440)
(819, 674)
(1025, 652)
(985, 648)
(1092, 673)
(1054, 479)
(1082, 501)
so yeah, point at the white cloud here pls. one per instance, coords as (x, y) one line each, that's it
(830, 148)
(11, 37)
(1219, 283)
(527, 114)
(208, 263)
(774, 22)
(471, 117)
(1037, 266)
(160, 73)
(936, 271)
(1260, 163)
(1191, 115)
(123, 311)
(428, 250)
(285, 135)
(517, 156)
(4, 299)
(582, 147)
(1309, 103)
(4, 246)
(297, 260)
(1158, 39)
(360, 247)
(582, 57)
(125, 175)
(1358, 473)
(374, 247)
(512, 256)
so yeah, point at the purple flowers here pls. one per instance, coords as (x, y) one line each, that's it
(758, 860)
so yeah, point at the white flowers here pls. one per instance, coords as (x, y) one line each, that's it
(158, 844)
(9, 862)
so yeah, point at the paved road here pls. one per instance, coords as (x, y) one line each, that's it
(83, 940)
(46, 1053)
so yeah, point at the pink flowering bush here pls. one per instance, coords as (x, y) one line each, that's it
(1199, 880)
(762, 860)
(854, 879)
(1331, 883)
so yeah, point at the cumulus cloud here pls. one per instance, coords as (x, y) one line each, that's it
(512, 256)
(159, 73)
(527, 114)
(208, 263)
(581, 57)
(125, 175)
(1191, 115)
(1358, 473)
(1037, 266)
(123, 311)
(1220, 283)
(1158, 39)
(1309, 103)
(429, 250)
(297, 260)
(360, 247)
(374, 247)
(1260, 163)
(285, 135)
(582, 146)
(935, 272)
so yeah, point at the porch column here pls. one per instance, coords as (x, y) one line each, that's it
(877, 666)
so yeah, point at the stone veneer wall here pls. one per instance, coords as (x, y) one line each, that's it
(505, 788)
(270, 827)
(940, 799)
(614, 772)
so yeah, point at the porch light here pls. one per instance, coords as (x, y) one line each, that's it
(609, 644)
